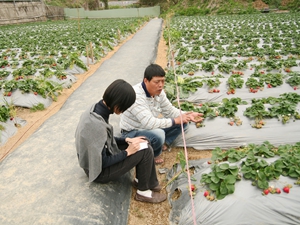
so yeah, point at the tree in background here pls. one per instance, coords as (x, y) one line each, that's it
(105, 3)
(154, 2)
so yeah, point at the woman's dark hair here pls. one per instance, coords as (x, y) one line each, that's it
(119, 95)
(154, 70)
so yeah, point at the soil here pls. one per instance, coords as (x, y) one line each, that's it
(139, 212)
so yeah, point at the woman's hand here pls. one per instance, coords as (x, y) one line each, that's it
(134, 144)
(136, 139)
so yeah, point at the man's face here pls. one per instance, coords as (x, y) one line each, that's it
(155, 86)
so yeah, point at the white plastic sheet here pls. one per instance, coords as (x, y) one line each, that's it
(245, 206)
(218, 133)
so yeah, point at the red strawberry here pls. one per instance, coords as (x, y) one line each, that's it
(208, 162)
(286, 189)
(212, 73)
(35, 93)
(278, 191)
(193, 188)
(231, 123)
(266, 191)
(9, 94)
(295, 88)
(206, 193)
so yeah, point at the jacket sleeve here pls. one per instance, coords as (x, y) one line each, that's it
(142, 112)
(109, 160)
(90, 139)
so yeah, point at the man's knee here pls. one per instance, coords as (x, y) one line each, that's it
(158, 136)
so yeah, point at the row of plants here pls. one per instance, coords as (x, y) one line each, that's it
(230, 166)
(249, 162)
(283, 108)
(27, 54)
(39, 64)
(252, 51)
(257, 81)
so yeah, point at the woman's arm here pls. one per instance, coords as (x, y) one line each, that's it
(108, 159)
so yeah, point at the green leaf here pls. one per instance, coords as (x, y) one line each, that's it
(215, 179)
(261, 175)
(224, 166)
(213, 187)
(293, 173)
(230, 188)
(262, 184)
(230, 179)
(221, 175)
(223, 189)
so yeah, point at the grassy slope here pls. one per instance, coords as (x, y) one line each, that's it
(226, 6)
(187, 7)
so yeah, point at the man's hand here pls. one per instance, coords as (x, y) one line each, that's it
(195, 117)
(185, 119)
(189, 117)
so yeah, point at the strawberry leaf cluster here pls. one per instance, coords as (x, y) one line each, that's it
(251, 165)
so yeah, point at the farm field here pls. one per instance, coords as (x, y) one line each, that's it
(38, 61)
(204, 60)
(242, 73)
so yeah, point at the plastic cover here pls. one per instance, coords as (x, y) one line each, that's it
(218, 133)
(245, 206)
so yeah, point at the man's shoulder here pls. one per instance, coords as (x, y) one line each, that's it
(137, 87)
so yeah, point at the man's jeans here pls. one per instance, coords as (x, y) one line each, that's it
(157, 137)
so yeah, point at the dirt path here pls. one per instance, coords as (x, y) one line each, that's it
(140, 213)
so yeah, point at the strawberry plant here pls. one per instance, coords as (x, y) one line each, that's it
(225, 67)
(274, 80)
(221, 180)
(4, 113)
(187, 68)
(290, 62)
(228, 108)
(211, 83)
(208, 66)
(254, 84)
(294, 80)
(272, 64)
(234, 82)
(285, 111)
(4, 74)
(231, 155)
(257, 111)
(241, 65)
(259, 171)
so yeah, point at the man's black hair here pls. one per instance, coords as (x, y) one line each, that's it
(154, 70)
(119, 95)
